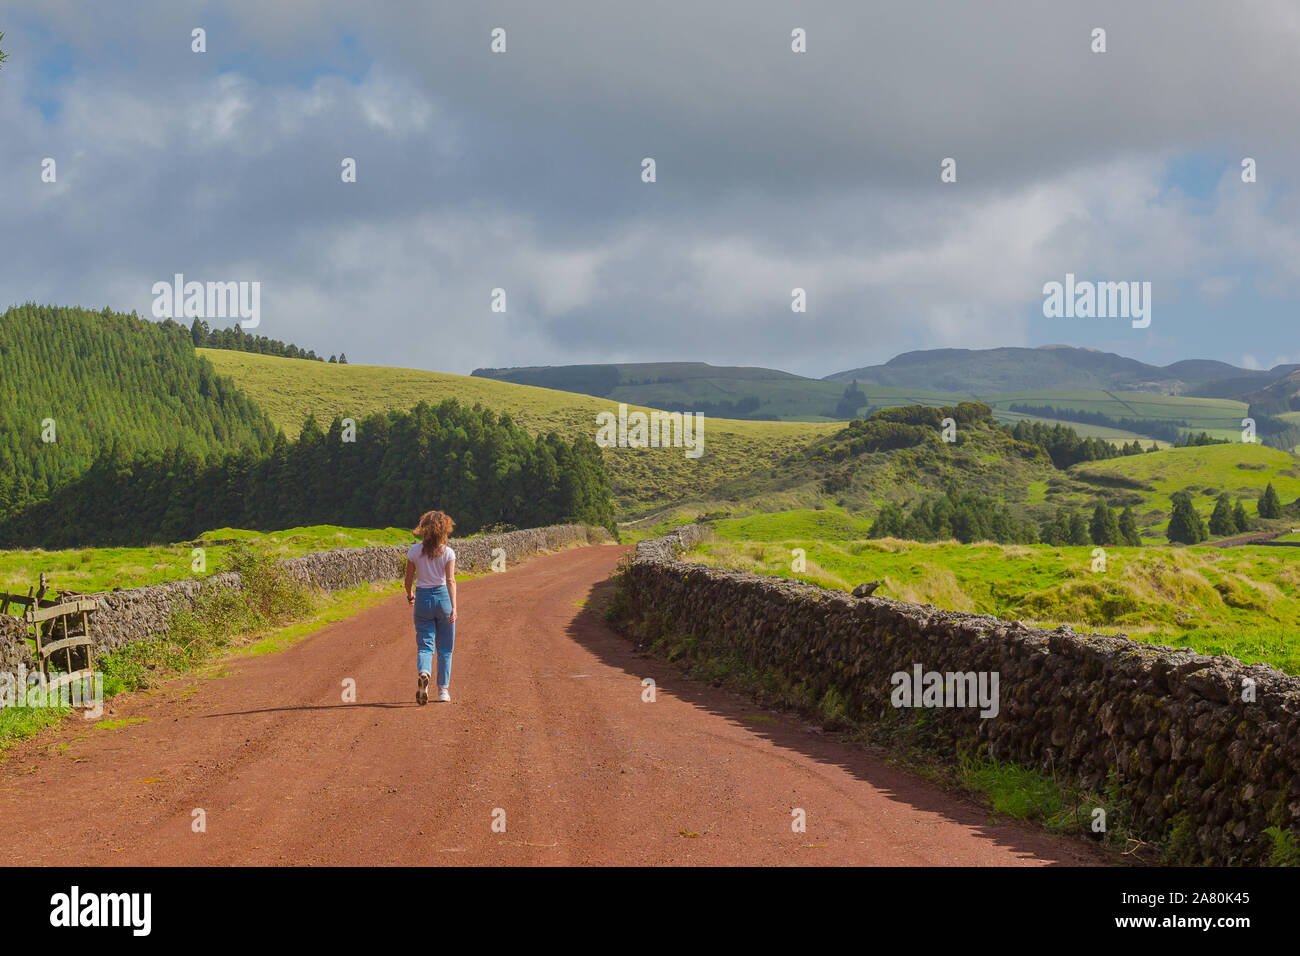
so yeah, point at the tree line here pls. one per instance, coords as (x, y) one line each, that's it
(1163, 429)
(1065, 446)
(233, 339)
(969, 517)
(481, 468)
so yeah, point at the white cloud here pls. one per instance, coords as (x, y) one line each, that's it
(776, 171)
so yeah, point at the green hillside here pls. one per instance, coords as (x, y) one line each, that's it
(1146, 482)
(866, 464)
(105, 380)
(1220, 417)
(644, 481)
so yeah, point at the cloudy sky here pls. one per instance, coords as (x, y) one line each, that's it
(522, 170)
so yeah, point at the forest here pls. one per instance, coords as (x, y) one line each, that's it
(114, 431)
(74, 383)
(480, 468)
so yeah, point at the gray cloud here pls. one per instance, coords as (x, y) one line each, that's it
(775, 170)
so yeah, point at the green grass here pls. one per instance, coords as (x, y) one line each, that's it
(1240, 601)
(1221, 417)
(116, 724)
(336, 607)
(19, 723)
(644, 480)
(144, 664)
(1239, 469)
(101, 569)
(829, 523)
(1146, 482)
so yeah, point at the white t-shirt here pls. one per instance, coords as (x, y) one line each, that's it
(429, 572)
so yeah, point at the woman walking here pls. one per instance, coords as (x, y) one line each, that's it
(431, 565)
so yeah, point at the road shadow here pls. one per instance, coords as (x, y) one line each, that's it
(795, 732)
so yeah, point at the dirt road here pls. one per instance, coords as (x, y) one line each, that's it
(547, 733)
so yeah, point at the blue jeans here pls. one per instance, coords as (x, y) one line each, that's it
(434, 630)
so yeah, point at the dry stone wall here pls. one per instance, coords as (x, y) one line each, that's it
(13, 649)
(1167, 729)
(135, 614)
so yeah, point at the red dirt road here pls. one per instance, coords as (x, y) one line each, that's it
(547, 724)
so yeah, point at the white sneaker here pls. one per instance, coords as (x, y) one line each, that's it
(443, 695)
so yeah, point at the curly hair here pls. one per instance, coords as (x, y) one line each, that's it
(434, 529)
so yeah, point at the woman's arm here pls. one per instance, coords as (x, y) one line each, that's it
(451, 587)
(410, 576)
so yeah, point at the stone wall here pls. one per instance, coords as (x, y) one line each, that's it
(1167, 728)
(135, 614)
(13, 649)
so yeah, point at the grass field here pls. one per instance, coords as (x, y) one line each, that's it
(1221, 417)
(645, 480)
(101, 569)
(1240, 601)
(1146, 482)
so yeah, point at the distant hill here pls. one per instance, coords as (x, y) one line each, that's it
(602, 380)
(1100, 394)
(981, 371)
(723, 391)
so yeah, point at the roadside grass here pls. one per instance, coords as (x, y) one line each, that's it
(336, 607)
(268, 613)
(19, 723)
(101, 569)
(1244, 602)
(117, 724)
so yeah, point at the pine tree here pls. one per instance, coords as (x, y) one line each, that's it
(1078, 529)
(1269, 506)
(1104, 528)
(1239, 519)
(1185, 525)
(1222, 523)
(1053, 530)
(1128, 530)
